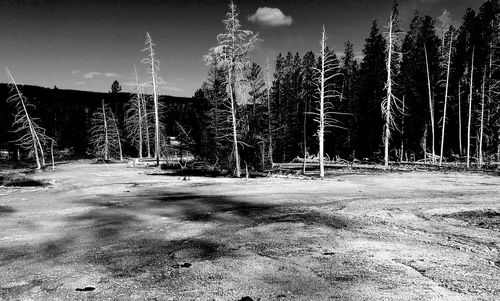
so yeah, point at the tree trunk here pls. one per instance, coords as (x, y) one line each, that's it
(233, 117)
(321, 130)
(470, 108)
(139, 106)
(270, 132)
(431, 106)
(305, 137)
(402, 131)
(481, 130)
(146, 128)
(118, 136)
(445, 102)
(387, 129)
(106, 139)
(459, 121)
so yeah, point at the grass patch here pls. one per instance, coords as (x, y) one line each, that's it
(17, 180)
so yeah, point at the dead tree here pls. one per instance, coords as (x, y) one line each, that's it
(134, 122)
(481, 128)
(269, 114)
(32, 136)
(431, 106)
(471, 84)
(153, 68)
(104, 134)
(117, 132)
(324, 114)
(391, 103)
(231, 55)
(460, 119)
(445, 20)
(145, 117)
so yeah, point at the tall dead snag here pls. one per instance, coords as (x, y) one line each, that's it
(32, 136)
(391, 102)
(460, 119)
(431, 106)
(446, 33)
(329, 68)
(153, 68)
(105, 136)
(118, 136)
(134, 122)
(145, 117)
(481, 129)
(471, 84)
(269, 114)
(231, 55)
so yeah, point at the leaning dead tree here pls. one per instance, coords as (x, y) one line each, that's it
(445, 57)
(391, 103)
(231, 56)
(153, 68)
(32, 136)
(104, 134)
(325, 88)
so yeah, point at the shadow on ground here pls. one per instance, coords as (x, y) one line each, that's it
(152, 235)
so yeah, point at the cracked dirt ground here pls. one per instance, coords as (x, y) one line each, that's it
(114, 233)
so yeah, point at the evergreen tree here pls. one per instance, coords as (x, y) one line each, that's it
(370, 89)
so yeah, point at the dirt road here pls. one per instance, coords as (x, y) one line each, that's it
(113, 233)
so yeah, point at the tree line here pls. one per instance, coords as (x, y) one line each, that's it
(425, 94)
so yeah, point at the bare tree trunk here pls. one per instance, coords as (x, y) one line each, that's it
(305, 137)
(321, 130)
(117, 136)
(459, 121)
(52, 153)
(233, 117)
(445, 101)
(481, 131)
(139, 107)
(470, 108)
(154, 80)
(146, 127)
(388, 112)
(402, 131)
(270, 132)
(106, 138)
(431, 106)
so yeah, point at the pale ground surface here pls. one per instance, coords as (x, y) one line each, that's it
(378, 236)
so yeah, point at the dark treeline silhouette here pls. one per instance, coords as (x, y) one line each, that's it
(66, 115)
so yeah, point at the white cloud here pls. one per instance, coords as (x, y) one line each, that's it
(91, 75)
(80, 83)
(111, 74)
(75, 71)
(272, 17)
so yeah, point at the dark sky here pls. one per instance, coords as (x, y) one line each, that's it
(85, 45)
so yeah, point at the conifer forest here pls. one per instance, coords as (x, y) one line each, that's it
(363, 169)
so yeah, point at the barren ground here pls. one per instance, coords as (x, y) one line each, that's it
(131, 236)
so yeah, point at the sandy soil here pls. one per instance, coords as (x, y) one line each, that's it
(115, 233)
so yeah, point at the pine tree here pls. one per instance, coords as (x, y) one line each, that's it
(371, 83)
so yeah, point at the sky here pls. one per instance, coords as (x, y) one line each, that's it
(86, 45)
